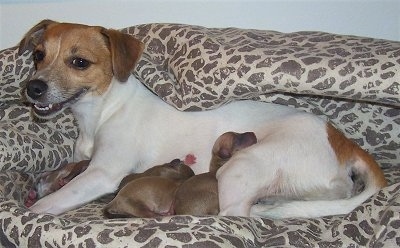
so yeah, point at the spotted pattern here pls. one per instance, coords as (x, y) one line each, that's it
(352, 81)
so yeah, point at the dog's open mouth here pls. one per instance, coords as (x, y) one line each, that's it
(47, 111)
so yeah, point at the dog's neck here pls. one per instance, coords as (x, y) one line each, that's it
(93, 110)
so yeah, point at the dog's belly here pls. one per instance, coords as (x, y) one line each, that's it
(135, 130)
(183, 133)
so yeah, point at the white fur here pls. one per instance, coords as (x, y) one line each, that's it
(129, 129)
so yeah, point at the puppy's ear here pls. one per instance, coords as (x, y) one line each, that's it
(125, 52)
(244, 140)
(34, 36)
(225, 153)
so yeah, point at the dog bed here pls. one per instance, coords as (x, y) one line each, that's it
(352, 81)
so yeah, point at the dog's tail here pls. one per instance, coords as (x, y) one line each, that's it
(364, 171)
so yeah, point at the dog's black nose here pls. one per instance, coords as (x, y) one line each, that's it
(36, 88)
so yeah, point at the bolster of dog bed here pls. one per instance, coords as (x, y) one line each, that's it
(352, 81)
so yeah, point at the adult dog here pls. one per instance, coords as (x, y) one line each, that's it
(301, 164)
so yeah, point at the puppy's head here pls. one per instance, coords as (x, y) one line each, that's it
(175, 170)
(228, 144)
(72, 60)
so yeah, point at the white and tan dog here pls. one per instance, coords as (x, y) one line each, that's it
(300, 161)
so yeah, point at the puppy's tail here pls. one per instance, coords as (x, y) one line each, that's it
(362, 169)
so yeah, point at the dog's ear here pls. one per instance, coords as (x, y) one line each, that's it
(33, 36)
(125, 52)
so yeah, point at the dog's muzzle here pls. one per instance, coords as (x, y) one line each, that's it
(36, 88)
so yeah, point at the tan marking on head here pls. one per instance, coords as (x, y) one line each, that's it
(125, 52)
(34, 36)
(109, 53)
(347, 151)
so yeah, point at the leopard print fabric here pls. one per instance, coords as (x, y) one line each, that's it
(352, 81)
(366, 226)
(27, 145)
(195, 68)
(199, 68)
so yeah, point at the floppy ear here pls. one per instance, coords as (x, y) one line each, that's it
(33, 36)
(244, 140)
(125, 52)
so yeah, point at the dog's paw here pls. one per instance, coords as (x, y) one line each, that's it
(52, 204)
(45, 206)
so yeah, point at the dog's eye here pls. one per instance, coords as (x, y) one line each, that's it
(38, 56)
(80, 63)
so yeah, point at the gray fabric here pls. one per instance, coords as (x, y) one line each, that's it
(352, 81)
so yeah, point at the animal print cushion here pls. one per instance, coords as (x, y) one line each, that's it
(348, 79)
(352, 81)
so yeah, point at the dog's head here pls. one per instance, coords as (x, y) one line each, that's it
(72, 60)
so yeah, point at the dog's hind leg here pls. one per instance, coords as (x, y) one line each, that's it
(239, 184)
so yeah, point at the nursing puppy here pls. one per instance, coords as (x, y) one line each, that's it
(199, 194)
(299, 159)
(174, 170)
(149, 194)
(52, 181)
(172, 189)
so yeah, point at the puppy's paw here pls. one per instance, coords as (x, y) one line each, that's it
(31, 199)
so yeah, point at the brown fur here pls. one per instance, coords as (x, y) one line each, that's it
(99, 46)
(125, 52)
(346, 150)
(171, 189)
(150, 193)
(199, 194)
(52, 181)
(77, 168)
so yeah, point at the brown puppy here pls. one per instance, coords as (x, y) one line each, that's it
(52, 181)
(199, 194)
(149, 194)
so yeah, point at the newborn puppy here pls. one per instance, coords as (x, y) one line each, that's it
(199, 194)
(54, 180)
(149, 194)
(174, 171)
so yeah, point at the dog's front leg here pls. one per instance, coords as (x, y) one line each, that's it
(91, 184)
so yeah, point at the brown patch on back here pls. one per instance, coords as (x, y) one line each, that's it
(348, 151)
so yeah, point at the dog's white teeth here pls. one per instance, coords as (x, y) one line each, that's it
(44, 108)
